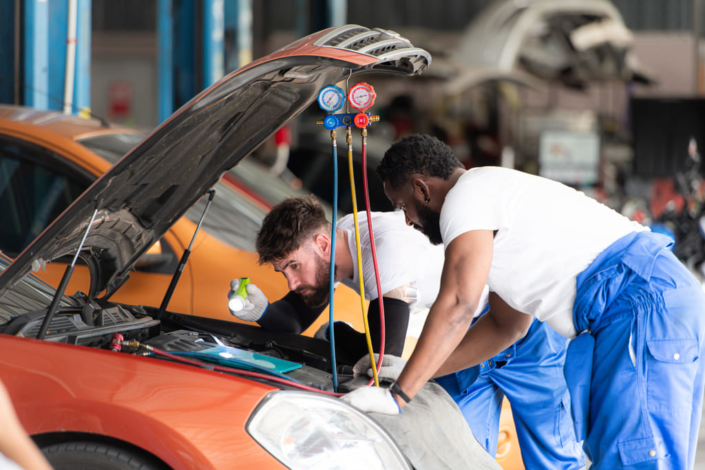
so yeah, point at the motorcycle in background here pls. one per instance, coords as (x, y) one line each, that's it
(682, 217)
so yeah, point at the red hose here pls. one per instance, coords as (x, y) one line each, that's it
(246, 373)
(374, 255)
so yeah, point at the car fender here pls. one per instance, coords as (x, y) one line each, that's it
(186, 416)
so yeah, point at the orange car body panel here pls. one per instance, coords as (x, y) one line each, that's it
(508, 451)
(64, 388)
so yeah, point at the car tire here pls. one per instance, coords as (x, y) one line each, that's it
(94, 456)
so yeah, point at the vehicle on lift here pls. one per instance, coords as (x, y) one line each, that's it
(47, 159)
(88, 404)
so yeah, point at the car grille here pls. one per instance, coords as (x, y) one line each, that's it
(387, 46)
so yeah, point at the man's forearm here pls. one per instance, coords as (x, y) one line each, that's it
(484, 340)
(289, 315)
(444, 329)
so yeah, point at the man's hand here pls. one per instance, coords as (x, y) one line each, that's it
(391, 367)
(374, 400)
(322, 332)
(256, 302)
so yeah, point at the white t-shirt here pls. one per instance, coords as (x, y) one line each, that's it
(7, 464)
(547, 234)
(404, 257)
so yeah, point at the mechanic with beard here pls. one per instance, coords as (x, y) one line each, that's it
(295, 239)
(634, 367)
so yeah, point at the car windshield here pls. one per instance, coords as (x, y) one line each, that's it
(112, 147)
(30, 295)
(273, 188)
(232, 218)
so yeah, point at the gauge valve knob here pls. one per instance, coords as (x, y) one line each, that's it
(330, 123)
(362, 120)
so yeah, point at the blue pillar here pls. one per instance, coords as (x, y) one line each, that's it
(57, 34)
(56, 31)
(36, 50)
(82, 76)
(7, 51)
(184, 59)
(213, 45)
(165, 85)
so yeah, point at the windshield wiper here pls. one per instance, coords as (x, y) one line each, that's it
(184, 259)
(65, 279)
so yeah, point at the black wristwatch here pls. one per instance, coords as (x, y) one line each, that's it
(395, 388)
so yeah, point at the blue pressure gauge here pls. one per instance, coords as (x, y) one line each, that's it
(331, 99)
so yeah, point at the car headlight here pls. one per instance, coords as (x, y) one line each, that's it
(307, 430)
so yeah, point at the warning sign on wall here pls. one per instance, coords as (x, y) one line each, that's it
(119, 100)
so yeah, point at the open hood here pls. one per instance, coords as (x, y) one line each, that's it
(574, 42)
(140, 198)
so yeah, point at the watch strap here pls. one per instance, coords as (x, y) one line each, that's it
(395, 388)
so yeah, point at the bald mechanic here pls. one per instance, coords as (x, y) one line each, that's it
(635, 313)
(295, 238)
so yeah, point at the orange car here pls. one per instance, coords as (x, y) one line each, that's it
(50, 158)
(100, 384)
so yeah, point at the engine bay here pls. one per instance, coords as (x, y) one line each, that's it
(302, 359)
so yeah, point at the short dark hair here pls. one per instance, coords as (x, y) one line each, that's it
(417, 154)
(287, 226)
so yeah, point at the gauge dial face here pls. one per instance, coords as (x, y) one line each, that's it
(362, 96)
(331, 99)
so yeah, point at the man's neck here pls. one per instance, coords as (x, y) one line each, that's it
(444, 187)
(343, 258)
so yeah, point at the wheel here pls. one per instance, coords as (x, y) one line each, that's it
(94, 456)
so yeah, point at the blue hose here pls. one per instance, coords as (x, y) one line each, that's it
(331, 332)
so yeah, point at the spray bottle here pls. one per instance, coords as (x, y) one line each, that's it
(236, 302)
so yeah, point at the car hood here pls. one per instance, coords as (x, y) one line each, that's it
(140, 197)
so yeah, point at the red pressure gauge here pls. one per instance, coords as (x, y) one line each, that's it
(362, 96)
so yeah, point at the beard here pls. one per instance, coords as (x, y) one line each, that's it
(320, 293)
(430, 223)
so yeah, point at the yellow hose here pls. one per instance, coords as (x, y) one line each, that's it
(359, 257)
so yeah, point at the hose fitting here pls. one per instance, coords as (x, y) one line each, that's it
(116, 342)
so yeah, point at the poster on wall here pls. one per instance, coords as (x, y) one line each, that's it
(119, 100)
(570, 157)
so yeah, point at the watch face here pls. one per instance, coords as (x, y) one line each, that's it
(331, 99)
(362, 96)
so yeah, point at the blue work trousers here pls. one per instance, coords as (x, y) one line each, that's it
(530, 374)
(636, 375)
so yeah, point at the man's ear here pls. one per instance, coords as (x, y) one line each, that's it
(421, 189)
(322, 243)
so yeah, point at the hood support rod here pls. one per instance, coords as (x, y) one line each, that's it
(65, 279)
(184, 259)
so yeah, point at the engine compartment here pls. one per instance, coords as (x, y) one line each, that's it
(94, 326)
(187, 341)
